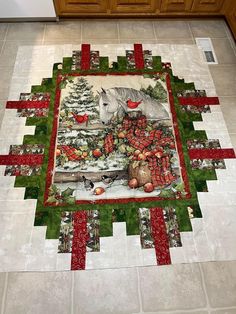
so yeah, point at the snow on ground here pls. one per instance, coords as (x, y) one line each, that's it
(119, 189)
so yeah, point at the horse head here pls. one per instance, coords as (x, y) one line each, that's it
(108, 105)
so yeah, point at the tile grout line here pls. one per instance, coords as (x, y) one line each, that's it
(72, 292)
(4, 40)
(187, 311)
(204, 288)
(191, 33)
(30, 241)
(223, 308)
(139, 292)
(81, 34)
(232, 44)
(44, 33)
(154, 31)
(4, 294)
(118, 31)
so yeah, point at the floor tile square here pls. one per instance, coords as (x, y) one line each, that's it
(100, 29)
(63, 31)
(172, 29)
(38, 293)
(114, 291)
(25, 31)
(208, 28)
(136, 29)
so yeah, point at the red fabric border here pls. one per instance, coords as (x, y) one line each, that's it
(80, 236)
(215, 153)
(27, 104)
(159, 234)
(177, 137)
(85, 57)
(138, 56)
(120, 200)
(53, 139)
(31, 159)
(198, 101)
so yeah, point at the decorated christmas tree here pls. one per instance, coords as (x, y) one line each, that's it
(80, 101)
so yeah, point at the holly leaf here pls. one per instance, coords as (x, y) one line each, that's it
(166, 193)
(68, 192)
(63, 85)
(180, 187)
(51, 199)
(70, 200)
(54, 189)
(147, 75)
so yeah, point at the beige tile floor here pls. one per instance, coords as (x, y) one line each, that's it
(188, 288)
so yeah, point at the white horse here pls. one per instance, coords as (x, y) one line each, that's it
(114, 101)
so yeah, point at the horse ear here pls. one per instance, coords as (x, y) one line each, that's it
(103, 90)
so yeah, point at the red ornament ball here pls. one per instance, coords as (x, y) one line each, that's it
(97, 153)
(58, 152)
(99, 191)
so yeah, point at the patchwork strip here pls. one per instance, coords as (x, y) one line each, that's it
(198, 101)
(27, 104)
(26, 149)
(23, 170)
(138, 56)
(159, 234)
(94, 60)
(93, 226)
(200, 144)
(80, 236)
(207, 164)
(32, 112)
(213, 153)
(66, 233)
(76, 60)
(85, 57)
(130, 59)
(146, 238)
(172, 227)
(196, 109)
(32, 159)
(35, 96)
(148, 61)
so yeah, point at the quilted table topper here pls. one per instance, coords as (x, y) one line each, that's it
(117, 161)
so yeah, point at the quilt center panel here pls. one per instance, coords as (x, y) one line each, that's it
(114, 139)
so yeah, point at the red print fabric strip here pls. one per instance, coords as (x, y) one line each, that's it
(21, 159)
(159, 235)
(178, 137)
(80, 236)
(85, 57)
(214, 153)
(27, 104)
(51, 157)
(198, 101)
(138, 56)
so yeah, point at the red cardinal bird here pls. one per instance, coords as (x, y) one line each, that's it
(133, 104)
(79, 118)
